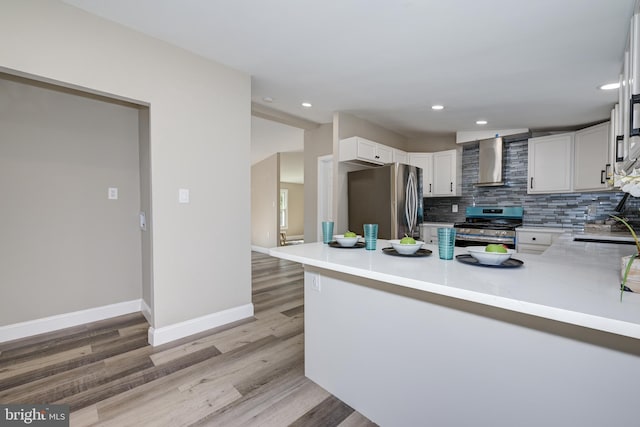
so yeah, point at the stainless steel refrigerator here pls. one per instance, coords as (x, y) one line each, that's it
(390, 196)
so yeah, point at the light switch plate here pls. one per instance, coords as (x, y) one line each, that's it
(112, 193)
(183, 195)
(454, 208)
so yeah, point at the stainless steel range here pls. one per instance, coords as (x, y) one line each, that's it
(489, 224)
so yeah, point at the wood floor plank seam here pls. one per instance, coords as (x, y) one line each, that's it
(128, 343)
(13, 357)
(199, 370)
(247, 373)
(73, 333)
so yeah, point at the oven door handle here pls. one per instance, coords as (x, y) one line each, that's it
(485, 239)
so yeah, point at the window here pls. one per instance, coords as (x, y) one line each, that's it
(284, 208)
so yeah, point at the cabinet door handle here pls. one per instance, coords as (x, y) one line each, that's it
(451, 187)
(429, 188)
(619, 148)
(533, 238)
(531, 183)
(633, 130)
(377, 157)
(602, 173)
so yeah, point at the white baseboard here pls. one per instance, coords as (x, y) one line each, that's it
(67, 320)
(158, 336)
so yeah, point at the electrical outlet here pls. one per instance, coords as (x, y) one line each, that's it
(112, 193)
(315, 284)
(454, 208)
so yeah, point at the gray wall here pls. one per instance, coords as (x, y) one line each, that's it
(432, 142)
(557, 210)
(64, 246)
(265, 181)
(200, 125)
(349, 125)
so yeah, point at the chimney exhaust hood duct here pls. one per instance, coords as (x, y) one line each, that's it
(490, 163)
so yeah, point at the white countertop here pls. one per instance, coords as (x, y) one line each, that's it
(572, 282)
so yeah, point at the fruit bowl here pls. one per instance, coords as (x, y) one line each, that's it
(406, 249)
(489, 258)
(346, 241)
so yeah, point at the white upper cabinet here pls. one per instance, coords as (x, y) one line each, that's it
(400, 156)
(424, 161)
(447, 173)
(361, 149)
(384, 153)
(550, 164)
(591, 158)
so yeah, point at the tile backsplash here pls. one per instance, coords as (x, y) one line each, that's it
(553, 210)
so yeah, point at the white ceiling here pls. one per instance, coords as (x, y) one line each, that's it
(516, 63)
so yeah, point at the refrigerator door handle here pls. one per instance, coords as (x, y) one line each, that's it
(411, 203)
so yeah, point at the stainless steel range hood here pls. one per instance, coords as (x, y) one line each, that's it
(490, 163)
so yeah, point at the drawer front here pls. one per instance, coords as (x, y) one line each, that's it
(534, 238)
(531, 249)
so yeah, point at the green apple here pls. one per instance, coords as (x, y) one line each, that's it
(496, 248)
(350, 234)
(406, 240)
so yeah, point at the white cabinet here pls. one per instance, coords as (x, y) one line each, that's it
(361, 149)
(400, 156)
(591, 158)
(383, 153)
(441, 172)
(535, 241)
(424, 161)
(447, 173)
(550, 164)
(429, 231)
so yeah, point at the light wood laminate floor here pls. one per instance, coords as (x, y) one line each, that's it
(250, 373)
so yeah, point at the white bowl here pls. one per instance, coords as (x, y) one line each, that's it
(489, 258)
(346, 241)
(405, 249)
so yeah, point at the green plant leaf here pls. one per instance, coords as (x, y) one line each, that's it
(633, 233)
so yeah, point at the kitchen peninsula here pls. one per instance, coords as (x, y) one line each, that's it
(423, 341)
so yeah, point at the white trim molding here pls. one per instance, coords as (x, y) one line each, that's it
(165, 334)
(60, 321)
(146, 311)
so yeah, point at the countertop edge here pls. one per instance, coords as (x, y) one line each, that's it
(615, 326)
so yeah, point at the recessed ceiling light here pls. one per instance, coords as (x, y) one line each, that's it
(267, 99)
(481, 122)
(610, 86)
(437, 107)
(306, 104)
